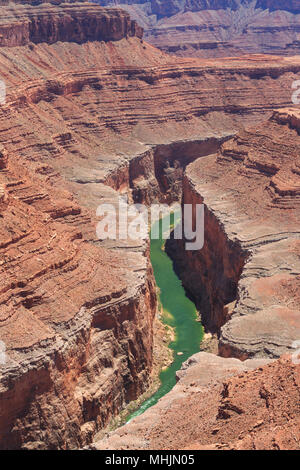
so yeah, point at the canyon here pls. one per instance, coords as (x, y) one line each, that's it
(219, 28)
(246, 283)
(92, 112)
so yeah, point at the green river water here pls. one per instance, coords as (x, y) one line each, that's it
(179, 312)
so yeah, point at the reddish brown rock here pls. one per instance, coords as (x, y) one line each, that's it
(76, 319)
(218, 28)
(21, 25)
(290, 5)
(220, 404)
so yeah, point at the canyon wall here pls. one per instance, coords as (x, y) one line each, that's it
(246, 278)
(76, 319)
(272, 5)
(211, 274)
(218, 28)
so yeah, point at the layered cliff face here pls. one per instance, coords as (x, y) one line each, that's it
(247, 275)
(220, 404)
(76, 319)
(21, 25)
(217, 28)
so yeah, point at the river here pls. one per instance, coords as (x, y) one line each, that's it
(179, 312)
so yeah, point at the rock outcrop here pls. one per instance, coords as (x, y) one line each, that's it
(220, 404)
(22, 25)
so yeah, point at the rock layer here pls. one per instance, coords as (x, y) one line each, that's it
(76, 319)
(22, 25)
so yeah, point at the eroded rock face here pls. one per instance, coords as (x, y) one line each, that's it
(250, 258)
(21, 24)
(76, 318)
(197, 28)
(220, 404)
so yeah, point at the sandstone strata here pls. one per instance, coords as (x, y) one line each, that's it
(21, 25)
(76, 319)
(220, 404)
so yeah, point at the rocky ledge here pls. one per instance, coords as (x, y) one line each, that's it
(76, 319)
(220, 404)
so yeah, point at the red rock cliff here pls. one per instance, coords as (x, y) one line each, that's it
(21, 25)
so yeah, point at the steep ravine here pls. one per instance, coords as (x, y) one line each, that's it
(210, 275)
(249, 265)
(242, 246)
(153, 177)
(177, 312)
